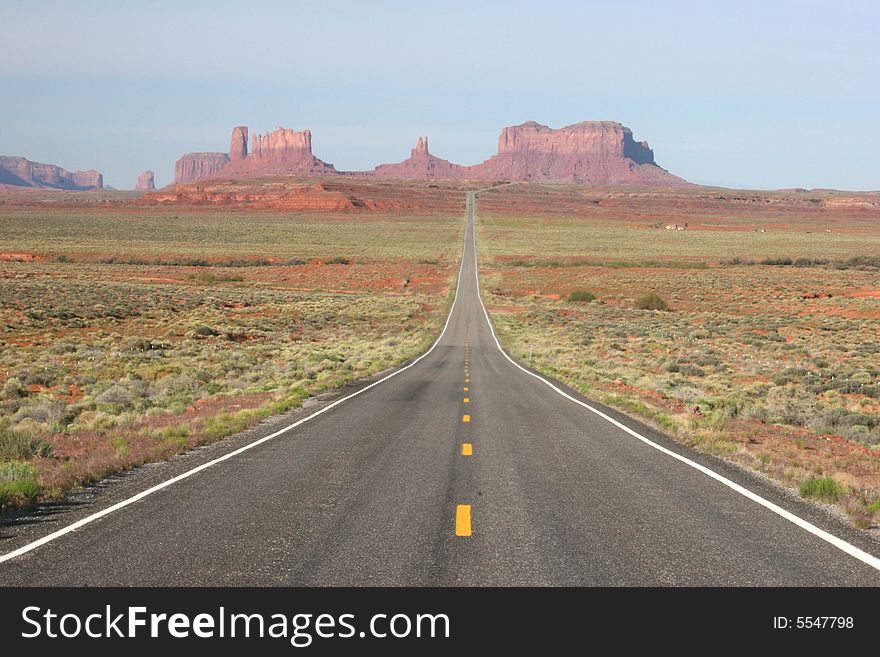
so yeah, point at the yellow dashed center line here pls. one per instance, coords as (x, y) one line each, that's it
(463, 520)
(463, 511)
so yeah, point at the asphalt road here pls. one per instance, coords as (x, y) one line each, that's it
(382, 489)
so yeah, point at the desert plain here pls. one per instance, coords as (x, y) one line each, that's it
(136, 326)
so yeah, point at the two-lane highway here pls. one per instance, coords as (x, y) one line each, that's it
(461, 469)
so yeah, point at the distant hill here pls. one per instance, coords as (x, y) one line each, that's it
(16, 171)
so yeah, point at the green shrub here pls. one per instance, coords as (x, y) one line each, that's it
(651, 301)
(14, 470)
(175, 432)
(206, 331)
(691, 370)
(224, 424)
(209, 277)
(789, 375)
(581, 295)
(18, 486)
(338, 260)
(44, 377)
(22, 445)
(20, 493)
(120, 445)
(821, 488)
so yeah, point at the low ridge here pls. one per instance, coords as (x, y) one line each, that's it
(16, 171)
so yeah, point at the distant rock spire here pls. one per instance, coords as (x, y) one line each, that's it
(421, 147)
(238, 149)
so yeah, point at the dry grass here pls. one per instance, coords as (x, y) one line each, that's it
(140, 334)
(773, 365)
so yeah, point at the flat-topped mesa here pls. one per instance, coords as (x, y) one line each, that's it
(146, 182)
(198, 166)
(281, 144)
(596, 139)
(90, 179)
(421, 165)
(282, 151)
(20, 172)
(596, 152)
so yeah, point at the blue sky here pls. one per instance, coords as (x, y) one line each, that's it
(746, 94)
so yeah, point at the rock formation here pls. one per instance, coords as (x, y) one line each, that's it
(596, 152)
(282, 151)
(330, 194)
(421, 165)
(592, 152)
(90, 179)
(238, 147)
(145, 182)
(21, 172)
(198, 166)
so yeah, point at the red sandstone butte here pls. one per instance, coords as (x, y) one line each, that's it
(282, 151)
(591, 152)
(595, 152)
(21, 172)
(421, 165)
(198, 166)
(145, 182)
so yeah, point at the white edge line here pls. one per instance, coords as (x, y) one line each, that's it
(837, 542)
(189, 473)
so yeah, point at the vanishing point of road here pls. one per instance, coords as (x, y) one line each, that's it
(459, 469)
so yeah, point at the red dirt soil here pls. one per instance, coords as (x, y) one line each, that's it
(20, 257)
(328, 195)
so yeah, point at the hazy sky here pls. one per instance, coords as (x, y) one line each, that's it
(750, 94)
